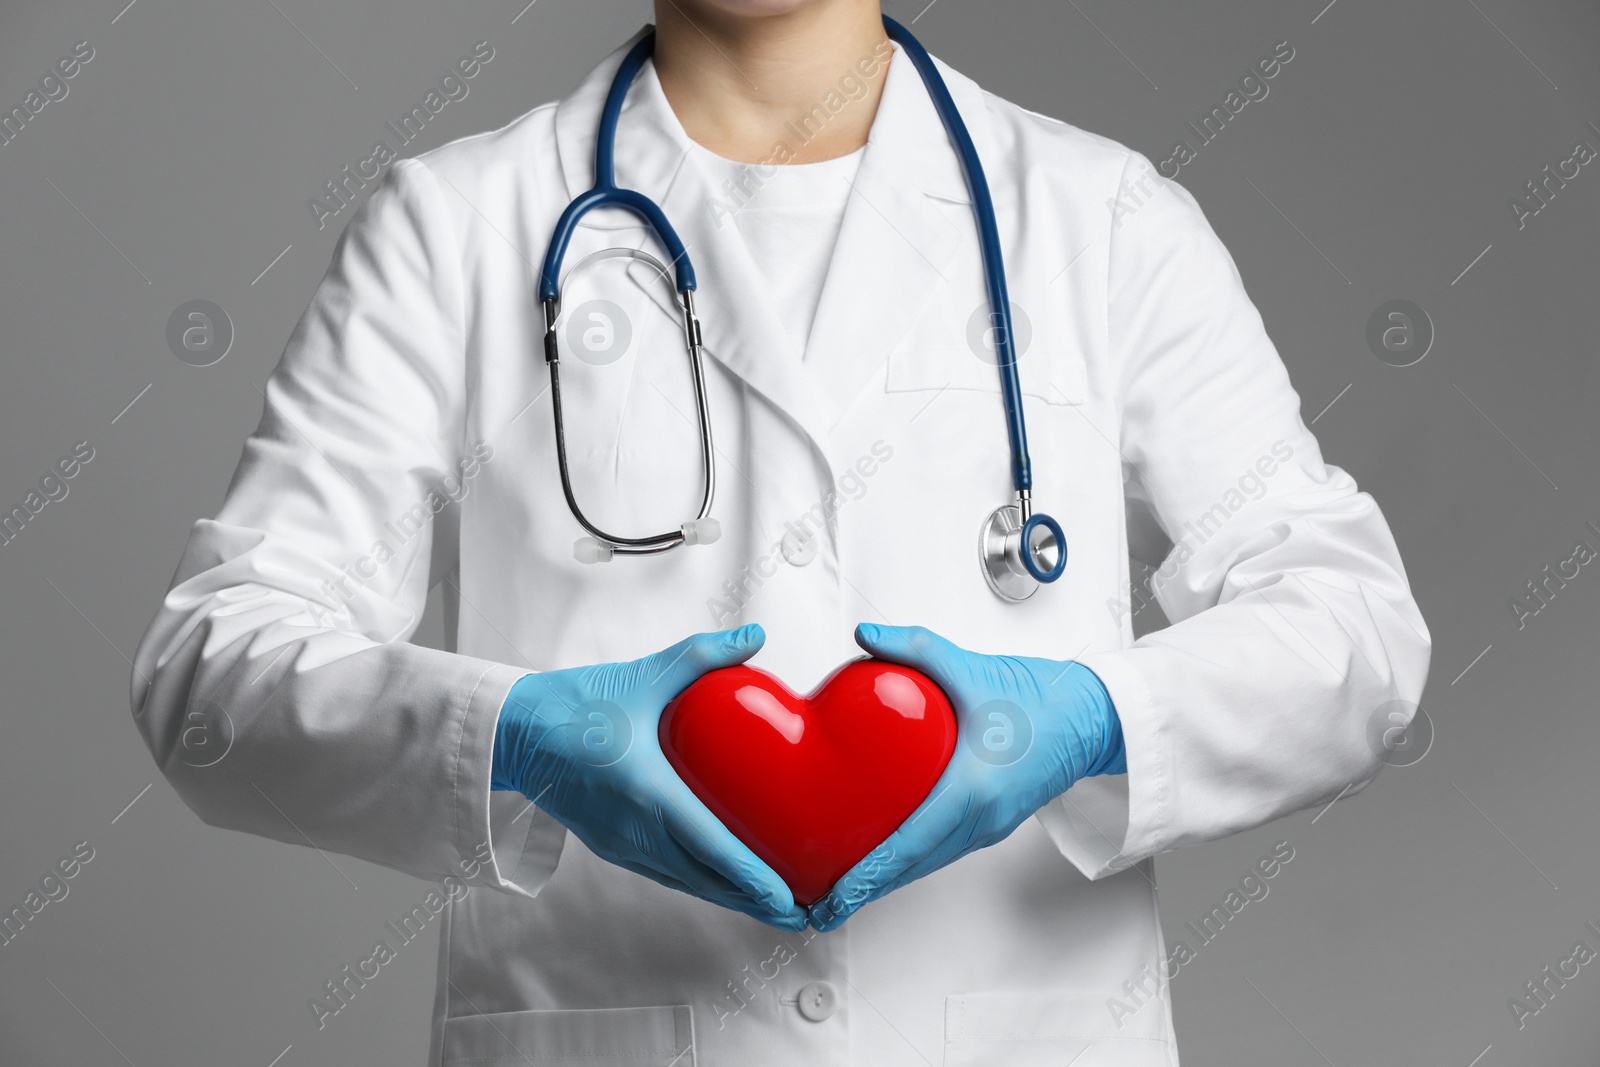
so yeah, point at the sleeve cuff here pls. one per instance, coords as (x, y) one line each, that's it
(1106, 824)
(514, 845)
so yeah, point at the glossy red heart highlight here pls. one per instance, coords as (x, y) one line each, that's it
(811, 783)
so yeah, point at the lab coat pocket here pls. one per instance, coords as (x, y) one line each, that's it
(1051, 1028)
(589, 1037)
(955, 351)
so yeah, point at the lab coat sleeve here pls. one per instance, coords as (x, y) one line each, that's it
(275, 686)
(1293, 626)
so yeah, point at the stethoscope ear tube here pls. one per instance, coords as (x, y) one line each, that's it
(600, 546)
(1018, 549)
(605, 193)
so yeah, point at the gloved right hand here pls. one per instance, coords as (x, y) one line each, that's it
(583, 745)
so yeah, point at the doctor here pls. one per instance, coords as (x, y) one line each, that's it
(860, 443)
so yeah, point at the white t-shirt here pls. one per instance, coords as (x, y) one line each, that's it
(789, 220)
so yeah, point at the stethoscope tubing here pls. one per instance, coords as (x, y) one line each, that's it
(606, 193)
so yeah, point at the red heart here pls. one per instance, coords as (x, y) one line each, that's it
(812, 784)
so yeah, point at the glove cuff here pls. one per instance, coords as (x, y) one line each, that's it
(511, 740)
(1114, 753)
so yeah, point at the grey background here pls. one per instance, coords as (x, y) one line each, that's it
(1378, 167)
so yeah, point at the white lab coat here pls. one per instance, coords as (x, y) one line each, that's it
(1151, 390)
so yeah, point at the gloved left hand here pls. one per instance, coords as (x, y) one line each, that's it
(582, 744)
(1028, 729)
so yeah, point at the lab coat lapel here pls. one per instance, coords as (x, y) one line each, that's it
(739, 322)
(738, 325)
(895, 243)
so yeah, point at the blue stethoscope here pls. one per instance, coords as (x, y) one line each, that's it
(1018, 547)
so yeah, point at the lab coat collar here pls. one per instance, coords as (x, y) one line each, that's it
(906, 127)
(648, 155)
(893, 246)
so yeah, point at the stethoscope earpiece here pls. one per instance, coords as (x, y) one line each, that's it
(592, 550)
(694, 532)
(701, 531)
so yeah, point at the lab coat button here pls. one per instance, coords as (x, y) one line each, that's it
(799, 547)
(817, 1000)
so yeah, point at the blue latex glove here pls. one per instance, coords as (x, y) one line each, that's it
(583, 745)
(1028, 729)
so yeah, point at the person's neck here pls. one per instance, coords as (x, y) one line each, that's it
(759, 89)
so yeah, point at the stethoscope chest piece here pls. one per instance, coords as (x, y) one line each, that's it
(1018, 554)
